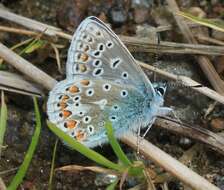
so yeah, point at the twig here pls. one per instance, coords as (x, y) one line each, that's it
(2, 185)
(57, 56)
(147, 45)
(18, 31)
(186, 81)
(169, 164)
(203, 61)
(136, 44)
(15, 83)
(37, 26)
(209, 138)
(77, 168)
(208, 39)
(26, 68)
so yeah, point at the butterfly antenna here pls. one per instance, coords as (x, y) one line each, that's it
(155, 64)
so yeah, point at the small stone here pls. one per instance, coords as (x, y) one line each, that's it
(217, 124)
(219, 64)
(218, 34)
(71, 13)
(141, 15)
(197, 11)
(185, 142)
(117, 16)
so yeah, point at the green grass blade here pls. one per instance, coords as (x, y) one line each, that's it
(28, 157)
(3, 121)
(115, 145)
(52, 165)
(34, 46)
(113, 185)
(217, 25)
(89, 153)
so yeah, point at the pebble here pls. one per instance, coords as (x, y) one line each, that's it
(185, 142)
(117, 16)
(217, 124)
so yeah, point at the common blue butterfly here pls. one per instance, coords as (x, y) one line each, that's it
(103, 82)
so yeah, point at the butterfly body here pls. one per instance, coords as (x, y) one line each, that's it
(103, 83)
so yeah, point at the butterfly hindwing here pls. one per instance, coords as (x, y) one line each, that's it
(81, 107)
(96, 51)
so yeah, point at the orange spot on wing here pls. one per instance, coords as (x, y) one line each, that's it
(73, 89)
(84, 57)
(62, 105)
(80, 135)
(86, 48)
(82, 68)
(66, 113)
(85, 82)
(64, 98)
(70, 124)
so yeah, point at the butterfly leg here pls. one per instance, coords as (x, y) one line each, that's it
(140, 138)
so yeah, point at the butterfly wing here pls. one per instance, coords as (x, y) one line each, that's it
(96, 51)
(81, 107)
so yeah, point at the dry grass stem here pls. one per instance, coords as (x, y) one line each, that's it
(213, 140)
(15, 83)
(187, 82)
(203, 61)
(2, 185)
(77, 168)
(169, 163)
(134, 43)
(57, 56)
(26, 68)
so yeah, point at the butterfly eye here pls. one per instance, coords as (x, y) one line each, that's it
(161, 91)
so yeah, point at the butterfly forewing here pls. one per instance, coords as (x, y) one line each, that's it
(81, 107)
(96, 51)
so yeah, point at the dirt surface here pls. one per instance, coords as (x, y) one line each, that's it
(125, 17)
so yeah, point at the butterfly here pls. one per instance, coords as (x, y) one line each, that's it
(103, 82)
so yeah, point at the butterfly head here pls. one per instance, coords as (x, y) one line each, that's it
(160, 88)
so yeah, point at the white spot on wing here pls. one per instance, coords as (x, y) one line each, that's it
(101, 103)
